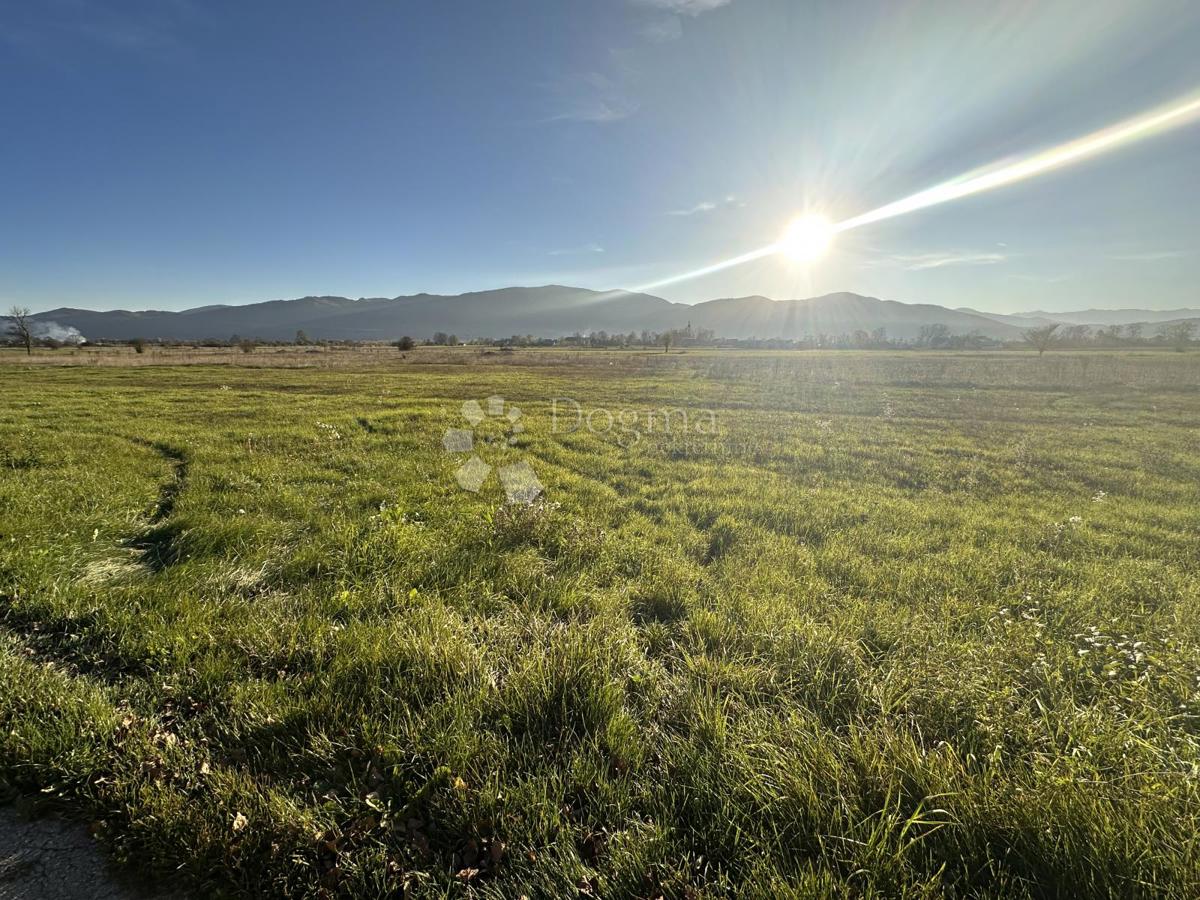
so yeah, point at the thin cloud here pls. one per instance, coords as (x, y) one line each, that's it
(593, 97)
(924, 261)
(663, 31)
(707, 206)
(577, 251)
(686, 7)
(703, 206)
(59, 29)
(596, 110)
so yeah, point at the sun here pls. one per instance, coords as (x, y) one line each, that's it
(806, 238)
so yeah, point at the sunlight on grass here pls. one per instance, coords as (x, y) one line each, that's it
(902, 626)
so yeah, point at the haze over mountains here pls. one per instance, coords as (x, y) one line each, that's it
(557, 311)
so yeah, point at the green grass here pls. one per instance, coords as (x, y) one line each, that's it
(905, 625)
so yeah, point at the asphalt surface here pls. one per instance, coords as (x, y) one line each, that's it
(49, 859)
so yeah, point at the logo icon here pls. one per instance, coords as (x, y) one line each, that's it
(518, 479)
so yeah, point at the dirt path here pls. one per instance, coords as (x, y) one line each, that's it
(48, 859)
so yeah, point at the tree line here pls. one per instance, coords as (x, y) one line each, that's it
(1178, 335)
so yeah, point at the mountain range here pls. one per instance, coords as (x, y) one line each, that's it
(557, 311)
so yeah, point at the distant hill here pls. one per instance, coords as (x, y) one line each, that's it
(1023, 320)
(1161, 327)
(1114, 316)
(549, 311)
(557, 311)
(546, 311)
(835, 314)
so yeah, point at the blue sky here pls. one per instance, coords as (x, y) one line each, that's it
(173, 153)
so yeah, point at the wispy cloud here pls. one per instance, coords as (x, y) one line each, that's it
(686, 7)
(592, 97)
(608, 92)
(663, 31)
(1150, 255)
(703, 206)
(707, 206)
(577, 251)
(669, 26)
(60, 28)
(596, 110)
(921, 261)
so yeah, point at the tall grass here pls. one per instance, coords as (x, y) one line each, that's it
(912, 625)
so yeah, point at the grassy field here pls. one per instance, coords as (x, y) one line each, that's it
(864, 625)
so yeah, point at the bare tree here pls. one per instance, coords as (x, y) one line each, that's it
(1075, 335)
(935, 334)
(666, 341)
(1042, 339)
(1179, 334)
(22, 327)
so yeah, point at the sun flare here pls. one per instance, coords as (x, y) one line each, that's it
(810, 236)
(807, 238)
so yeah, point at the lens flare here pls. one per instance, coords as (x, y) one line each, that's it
(1164, 118)
(1097, 142)
(807, 239)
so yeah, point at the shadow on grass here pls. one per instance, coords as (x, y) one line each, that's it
(159, 543)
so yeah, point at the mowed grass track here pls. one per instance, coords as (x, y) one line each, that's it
(911, 625)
